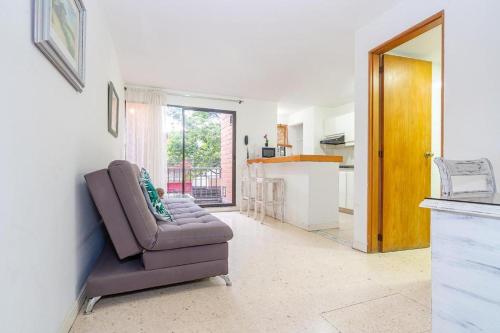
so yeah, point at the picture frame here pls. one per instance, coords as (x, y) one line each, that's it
(59, 31)
(113, 110)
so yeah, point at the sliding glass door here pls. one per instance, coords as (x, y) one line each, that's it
(201, 154)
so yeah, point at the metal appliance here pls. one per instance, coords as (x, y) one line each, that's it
(268, 152)
(281, 151)
(335, 139)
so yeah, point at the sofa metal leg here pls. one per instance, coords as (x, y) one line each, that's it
(90, 304)
(227, 280)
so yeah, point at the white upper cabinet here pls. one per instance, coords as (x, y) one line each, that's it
(341, 124)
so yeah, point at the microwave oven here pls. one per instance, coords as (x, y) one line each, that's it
(268, 152)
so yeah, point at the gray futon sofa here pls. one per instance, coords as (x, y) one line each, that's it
(145, 253)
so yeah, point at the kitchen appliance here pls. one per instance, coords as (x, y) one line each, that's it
(246, 144)
(268, 152)
(281, 151)
(335, 139)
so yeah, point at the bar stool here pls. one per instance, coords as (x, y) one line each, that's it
(247, 186)
(262, 190)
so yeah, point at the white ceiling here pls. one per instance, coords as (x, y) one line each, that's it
(292, 51)
(427, 46)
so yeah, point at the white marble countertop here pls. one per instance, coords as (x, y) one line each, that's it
(477, 205)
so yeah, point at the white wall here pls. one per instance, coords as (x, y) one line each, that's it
(471, 92)
(436, 127)
(339, 111)
(296, 139)
(318, 122)
(50, 136)
(282, 118)
(253, 118)
(322, 114)
(340, 120)
(307, 118)
(313, 119)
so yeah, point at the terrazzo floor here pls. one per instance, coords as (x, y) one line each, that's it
(284, 280)
(342, 234)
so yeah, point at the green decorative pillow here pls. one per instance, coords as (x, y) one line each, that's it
(155, 205)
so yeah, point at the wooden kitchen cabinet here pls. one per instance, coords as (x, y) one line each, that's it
(283, 135)
(282, 140)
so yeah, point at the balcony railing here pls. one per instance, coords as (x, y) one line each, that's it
(203, 183)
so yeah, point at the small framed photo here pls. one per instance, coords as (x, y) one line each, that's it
(59, 32)
(113, 110)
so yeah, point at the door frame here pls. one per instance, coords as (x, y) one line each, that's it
(233, 176)
(375, 120)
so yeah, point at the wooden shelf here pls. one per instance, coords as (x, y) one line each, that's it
(282, 135)
(298, 158)
(284, 145)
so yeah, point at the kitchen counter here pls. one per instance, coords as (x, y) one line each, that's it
(298, 158)
(465, 237)
(311, 188)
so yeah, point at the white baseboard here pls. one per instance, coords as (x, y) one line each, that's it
(73, 312)
(317, 227)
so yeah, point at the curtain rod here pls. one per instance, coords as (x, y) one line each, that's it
(170, 93)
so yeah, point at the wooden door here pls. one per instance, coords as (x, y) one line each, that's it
(406, 138)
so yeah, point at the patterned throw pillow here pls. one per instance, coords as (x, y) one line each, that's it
(155, 205)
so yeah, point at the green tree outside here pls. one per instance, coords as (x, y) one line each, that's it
(203, 138)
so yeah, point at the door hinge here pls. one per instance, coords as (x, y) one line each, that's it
(380, 153)
(379, 237)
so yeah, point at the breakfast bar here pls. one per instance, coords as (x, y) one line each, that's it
(311, 188)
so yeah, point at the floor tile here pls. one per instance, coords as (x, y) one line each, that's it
(284, 279)
(419, 291)
(343, 234)
(391, 314)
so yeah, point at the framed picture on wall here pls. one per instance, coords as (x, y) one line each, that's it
(113, 110)
(59, 32)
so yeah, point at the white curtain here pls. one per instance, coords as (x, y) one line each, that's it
(146, 137)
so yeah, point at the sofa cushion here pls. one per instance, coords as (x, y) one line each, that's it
(193, 226)
(113, 276)
(104, 196)
(125, 177)
(193, 233)
(184, 256)
(186, 211)
(155, 205)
